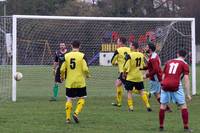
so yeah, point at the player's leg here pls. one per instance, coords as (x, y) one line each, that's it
(79, 107)
(129, 87)
(179, 97)
(146, 101)
(130, 100)
(56, 86)
(185, 117)
(155, 89)
(162, 116)
(164, 99)
(55, 90)
(148, 94)
(119, 93)
(70, 94)
(140, 87)
(68, 110)
(81, 93)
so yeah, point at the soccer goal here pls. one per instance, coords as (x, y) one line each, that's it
(5, 58)
(35, 40)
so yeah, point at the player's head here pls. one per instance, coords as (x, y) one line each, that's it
(76, 44)
(134, 45)
(62, 46)
(121, 41)
(182, 53)
(150, 47)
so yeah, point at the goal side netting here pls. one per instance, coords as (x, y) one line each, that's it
(5, 58)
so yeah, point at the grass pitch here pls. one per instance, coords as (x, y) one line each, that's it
(33, 113)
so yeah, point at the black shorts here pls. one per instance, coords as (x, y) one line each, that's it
(57, 75)
(130, 85)
(76, 92)
(121, 78)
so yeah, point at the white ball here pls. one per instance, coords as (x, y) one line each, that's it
(18, 76)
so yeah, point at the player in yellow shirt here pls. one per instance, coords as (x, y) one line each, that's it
(76, 70)
(119, 59)
(134, 76)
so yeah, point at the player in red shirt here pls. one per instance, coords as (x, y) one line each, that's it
(154, 72)
(172, 88)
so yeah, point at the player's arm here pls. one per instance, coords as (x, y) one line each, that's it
(114, 58)
(55, 63)
(63, 70)
(126, 67)
(187, 82)
(187, 86)
(85, 67)
(144, 65)
(156, 69)
(164, 70)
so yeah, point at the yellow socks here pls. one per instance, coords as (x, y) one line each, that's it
(137, 92)
(68, 107)
(119, 95)
(130, 104)
(79, 106)
(146, 101)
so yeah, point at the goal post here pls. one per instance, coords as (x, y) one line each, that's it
(96, 35)
(193, 57)
(14, 59)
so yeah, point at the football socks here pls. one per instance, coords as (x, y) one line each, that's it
(68, 107)
(146, 101)
(130, 104)
(79, 106)
(119, 95)
(185, 116)
(55, 90)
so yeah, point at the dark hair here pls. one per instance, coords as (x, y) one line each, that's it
(182, 53)
(75, 44)
(152, 46)
(135, 44)
(123, 40)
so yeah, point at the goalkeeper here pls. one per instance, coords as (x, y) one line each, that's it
(59, 59)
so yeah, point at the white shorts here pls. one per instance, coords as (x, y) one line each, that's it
(177, 97)
(155, 87)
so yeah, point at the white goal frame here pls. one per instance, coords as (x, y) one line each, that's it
(14, 37)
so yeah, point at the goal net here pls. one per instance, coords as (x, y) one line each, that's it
(5, 58)
(36, 38)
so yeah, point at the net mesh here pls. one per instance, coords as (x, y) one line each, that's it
(38, 39)
(5, 59)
